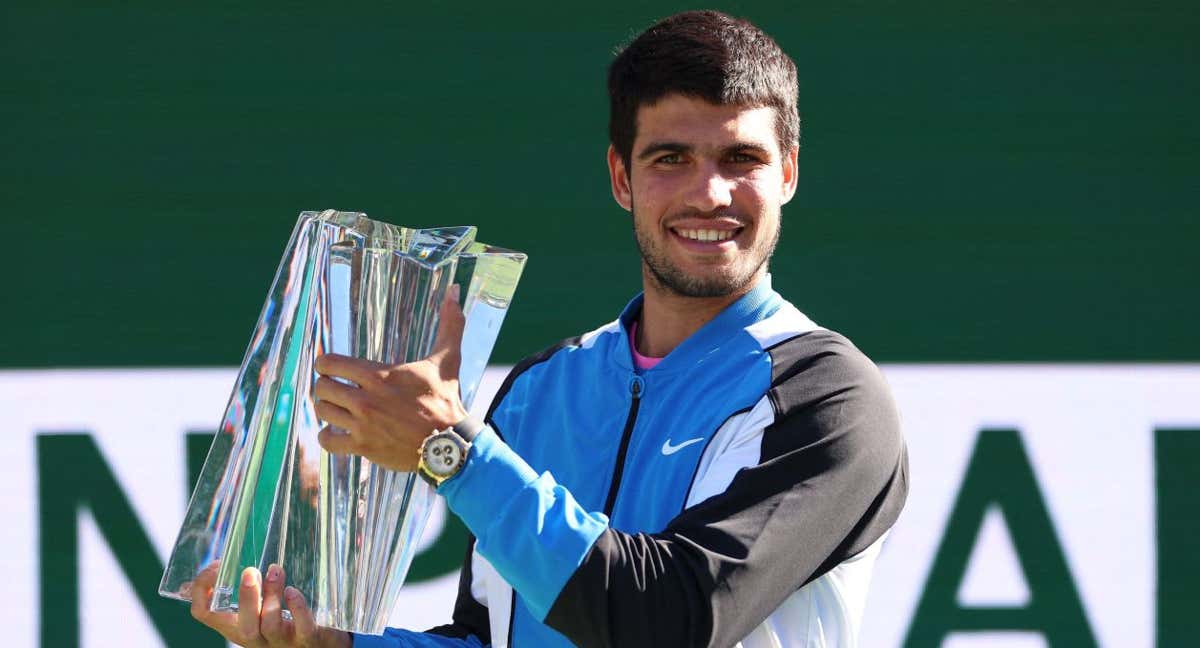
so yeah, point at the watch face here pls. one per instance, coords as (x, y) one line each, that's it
(442, 455)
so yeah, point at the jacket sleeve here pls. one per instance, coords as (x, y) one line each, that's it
(830, 479)
(397, 638)
(469, 627)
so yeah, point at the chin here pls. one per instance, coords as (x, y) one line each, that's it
(691, 285)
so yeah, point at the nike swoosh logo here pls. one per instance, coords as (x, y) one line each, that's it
(669, 449)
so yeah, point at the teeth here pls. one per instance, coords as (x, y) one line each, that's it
(706, 235)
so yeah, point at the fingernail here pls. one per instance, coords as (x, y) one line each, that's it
(454, 291)
(291, 594)
(249, 578)
(273, 572)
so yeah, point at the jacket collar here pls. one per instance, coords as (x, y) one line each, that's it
(761, 302)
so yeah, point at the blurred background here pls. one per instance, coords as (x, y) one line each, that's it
(982, 184)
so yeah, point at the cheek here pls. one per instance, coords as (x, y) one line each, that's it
(751, 205)
(653, 190)
(762, 183)
(757, 197)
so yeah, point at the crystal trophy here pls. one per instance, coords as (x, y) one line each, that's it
(344, 530)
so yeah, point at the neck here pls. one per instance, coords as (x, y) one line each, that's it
(669, 318)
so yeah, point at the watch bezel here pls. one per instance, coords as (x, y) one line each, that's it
(427, 471)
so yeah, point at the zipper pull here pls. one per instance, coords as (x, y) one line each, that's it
(636, 386)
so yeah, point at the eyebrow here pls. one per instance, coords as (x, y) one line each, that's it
(753, 147)
(655, 148)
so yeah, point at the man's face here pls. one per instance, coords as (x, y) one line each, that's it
(705, 186)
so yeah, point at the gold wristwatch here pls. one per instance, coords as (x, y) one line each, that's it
(444, 452)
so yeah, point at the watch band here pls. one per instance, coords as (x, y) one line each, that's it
(468, 428)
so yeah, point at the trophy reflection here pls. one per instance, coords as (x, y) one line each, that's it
(344, 530)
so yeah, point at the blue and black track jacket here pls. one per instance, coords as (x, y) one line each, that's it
(736, 493)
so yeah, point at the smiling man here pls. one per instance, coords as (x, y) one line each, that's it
(711, 468)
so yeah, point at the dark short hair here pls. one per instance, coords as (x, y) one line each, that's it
(708, 55)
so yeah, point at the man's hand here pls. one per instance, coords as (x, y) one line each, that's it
(393, 408)
(259, 621)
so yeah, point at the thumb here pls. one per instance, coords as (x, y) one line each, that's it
(447, 346)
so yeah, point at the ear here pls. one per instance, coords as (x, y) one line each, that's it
(790, 175)
(619, 177)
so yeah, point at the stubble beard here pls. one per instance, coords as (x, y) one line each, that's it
(670, 278)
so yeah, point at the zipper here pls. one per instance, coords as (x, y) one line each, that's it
(636, 387)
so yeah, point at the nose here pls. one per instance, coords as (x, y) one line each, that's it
(709, 189)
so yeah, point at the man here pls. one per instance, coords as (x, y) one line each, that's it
(710, 468)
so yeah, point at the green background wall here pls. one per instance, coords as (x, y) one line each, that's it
(980, 181)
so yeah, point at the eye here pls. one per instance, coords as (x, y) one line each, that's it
(670, 158)
(743, 158)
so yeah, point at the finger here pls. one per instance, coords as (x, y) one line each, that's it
(336, 442)
(339, 393)
(447, 346)
(224, 623)
(356, 370)
(302, 617)
(272, 626)
(202, 591)
(334, 414)
(249, 605)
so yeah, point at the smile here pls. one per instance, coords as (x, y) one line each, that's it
(706, 234)
(707, 237)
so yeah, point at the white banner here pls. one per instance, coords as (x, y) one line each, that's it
(1030, 520)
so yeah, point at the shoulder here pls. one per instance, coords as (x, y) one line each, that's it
(817, 357)
(824, 388)
(808, 361)
(819, 363)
